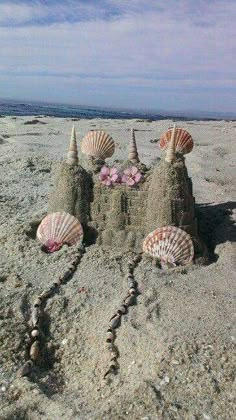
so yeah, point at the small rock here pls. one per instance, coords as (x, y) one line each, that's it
(174, 362)
(206, 417)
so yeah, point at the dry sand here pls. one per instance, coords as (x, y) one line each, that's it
(176, 345)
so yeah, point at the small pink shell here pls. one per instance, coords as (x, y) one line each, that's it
(183, 141)
(171, 245)
(57, 229)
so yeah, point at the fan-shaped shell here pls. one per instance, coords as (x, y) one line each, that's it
(171, 245)
(57, 229)
(98, 144)
(183, 141)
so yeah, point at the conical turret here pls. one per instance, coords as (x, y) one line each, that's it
(170, 152)
(133, 152)
(72, 155)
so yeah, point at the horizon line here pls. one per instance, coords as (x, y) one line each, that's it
(142, 111)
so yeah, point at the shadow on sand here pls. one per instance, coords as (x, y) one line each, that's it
(216, 225)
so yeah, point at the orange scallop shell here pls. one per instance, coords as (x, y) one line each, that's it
(98, 144)
(171, 245)
(183, 140)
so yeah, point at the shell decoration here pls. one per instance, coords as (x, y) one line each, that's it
(98, 144)
(57, 229)
(133, 151)
(183, 141)
(72, 155)
(170, 151)
(171, 245)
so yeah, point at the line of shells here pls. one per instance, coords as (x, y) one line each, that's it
(171, 245)
(57, 229)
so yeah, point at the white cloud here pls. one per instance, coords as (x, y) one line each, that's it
(17, 14)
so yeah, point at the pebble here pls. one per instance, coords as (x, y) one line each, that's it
(34, 350)
(131, 364)
(165, 381)
(131, 282)
(114, 323)
(64, 341)
(129, 300)
(132, 291)
(34, 333)
(45, 294)
(3, 388)
(110, 335)
(174, 362)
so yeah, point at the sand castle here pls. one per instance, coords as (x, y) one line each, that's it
(122, 216)
(119, 207)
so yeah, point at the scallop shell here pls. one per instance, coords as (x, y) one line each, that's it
(98, 144)
(183, 141)
(171, 245)
(57, 229)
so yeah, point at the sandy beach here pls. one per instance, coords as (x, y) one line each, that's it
(177, 344)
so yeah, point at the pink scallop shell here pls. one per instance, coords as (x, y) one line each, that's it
(57, 229)
(183, 140)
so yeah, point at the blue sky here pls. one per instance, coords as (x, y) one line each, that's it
(166, 54)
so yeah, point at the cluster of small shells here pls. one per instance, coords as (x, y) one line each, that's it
(115, 320)
(37, 311)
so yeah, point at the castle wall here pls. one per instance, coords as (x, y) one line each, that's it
(119, 214)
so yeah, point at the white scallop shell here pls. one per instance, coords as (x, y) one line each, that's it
(98, 144)
(171, 245)
(183, 140)
(57, 229)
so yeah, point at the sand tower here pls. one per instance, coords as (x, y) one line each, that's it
(73, 186)
(170, 200)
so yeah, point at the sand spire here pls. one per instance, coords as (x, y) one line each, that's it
(72, 155)
(133, 152)
(170, 152)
